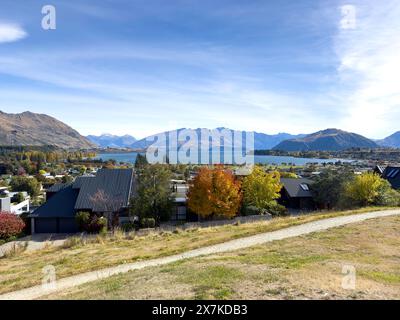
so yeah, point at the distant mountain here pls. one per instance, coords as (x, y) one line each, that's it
(112, 141)
(35, 129)
(326, 140)
(392, 141)
(262, 141)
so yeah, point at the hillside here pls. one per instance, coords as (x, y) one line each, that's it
(392, 141)
(27, 128)
(112, 141)
(326, 140)
(261, 140)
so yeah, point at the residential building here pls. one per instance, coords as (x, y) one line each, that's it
(10, 202)
(107, 193)
(296, 194)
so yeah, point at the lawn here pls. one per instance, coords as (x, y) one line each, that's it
(25, 269)
(306, 267)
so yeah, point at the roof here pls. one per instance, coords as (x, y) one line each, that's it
(57, 187)
(297, 188)
(392, 174)
(61, 205)
(109, 190)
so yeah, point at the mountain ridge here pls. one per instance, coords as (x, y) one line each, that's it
(327, 140)
(35, 129)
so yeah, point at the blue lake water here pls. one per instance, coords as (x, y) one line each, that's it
(131, 157)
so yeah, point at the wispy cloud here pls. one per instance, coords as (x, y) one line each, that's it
(370, 67)
(11, 32)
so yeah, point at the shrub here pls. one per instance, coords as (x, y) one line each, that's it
(10, 225)
(18, 197)
(148, 223)
(276, 209)
(252, 211)
(129, 226)
(97, 225)
(82, 219)
(91, 224)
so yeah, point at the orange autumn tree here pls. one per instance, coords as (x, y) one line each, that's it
(214, 193)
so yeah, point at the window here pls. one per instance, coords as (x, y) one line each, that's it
(304, 186)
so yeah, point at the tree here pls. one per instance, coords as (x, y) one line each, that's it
(260, 188)
(214, 193)
(30, 185)
(140, 161)
(152, 198)
(328, 187)
(367, 189)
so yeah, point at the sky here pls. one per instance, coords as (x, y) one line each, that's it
(144, 66)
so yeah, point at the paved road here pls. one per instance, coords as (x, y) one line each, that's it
(320, 225)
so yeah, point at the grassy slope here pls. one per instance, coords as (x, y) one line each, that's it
(25, 269)
(299, 268)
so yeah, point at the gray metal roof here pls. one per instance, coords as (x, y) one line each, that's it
(61, 205)
(58, 186)
(392, 174)
(109, 190)
(294, 189)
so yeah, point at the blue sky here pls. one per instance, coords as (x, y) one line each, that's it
(141, 67)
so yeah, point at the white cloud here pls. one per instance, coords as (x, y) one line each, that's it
(11, 32)
(370, 68)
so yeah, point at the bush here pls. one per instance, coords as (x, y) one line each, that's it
(82, 219)
(97, 225)
(10, 225)
(252, 211)
(129, 226)
(276, 209)
(18, 198)
(91, 224)
(148, 223)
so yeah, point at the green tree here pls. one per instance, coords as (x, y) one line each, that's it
(140, 161)
(260, 188)
(367, 189)
(21, 183)
(152, 198)
(328, 187)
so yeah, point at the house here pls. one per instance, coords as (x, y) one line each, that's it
(108, 192)
(392, 174)
(296, 194)
(11, 202)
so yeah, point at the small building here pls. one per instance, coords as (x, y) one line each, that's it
(107, 193)
(392, 174)
(296, 194)
(10, 202)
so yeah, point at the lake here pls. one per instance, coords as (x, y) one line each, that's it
(131, 157)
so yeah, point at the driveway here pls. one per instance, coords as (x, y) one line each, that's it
(306, 228)
(35, 242)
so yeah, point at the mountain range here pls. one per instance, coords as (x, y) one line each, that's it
(326, 140)
(28, 128)
(112, 141)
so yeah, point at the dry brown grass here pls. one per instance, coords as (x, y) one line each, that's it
(81, 255)
(306, 267)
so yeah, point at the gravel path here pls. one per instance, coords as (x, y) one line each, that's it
(320, 225)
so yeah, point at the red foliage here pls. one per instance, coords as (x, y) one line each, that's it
(10, 225)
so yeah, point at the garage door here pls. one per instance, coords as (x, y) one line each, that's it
(67, 225)
(46, 225)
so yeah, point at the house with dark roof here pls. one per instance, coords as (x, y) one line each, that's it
(296, 194)
(392, 174)
(108, 192)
